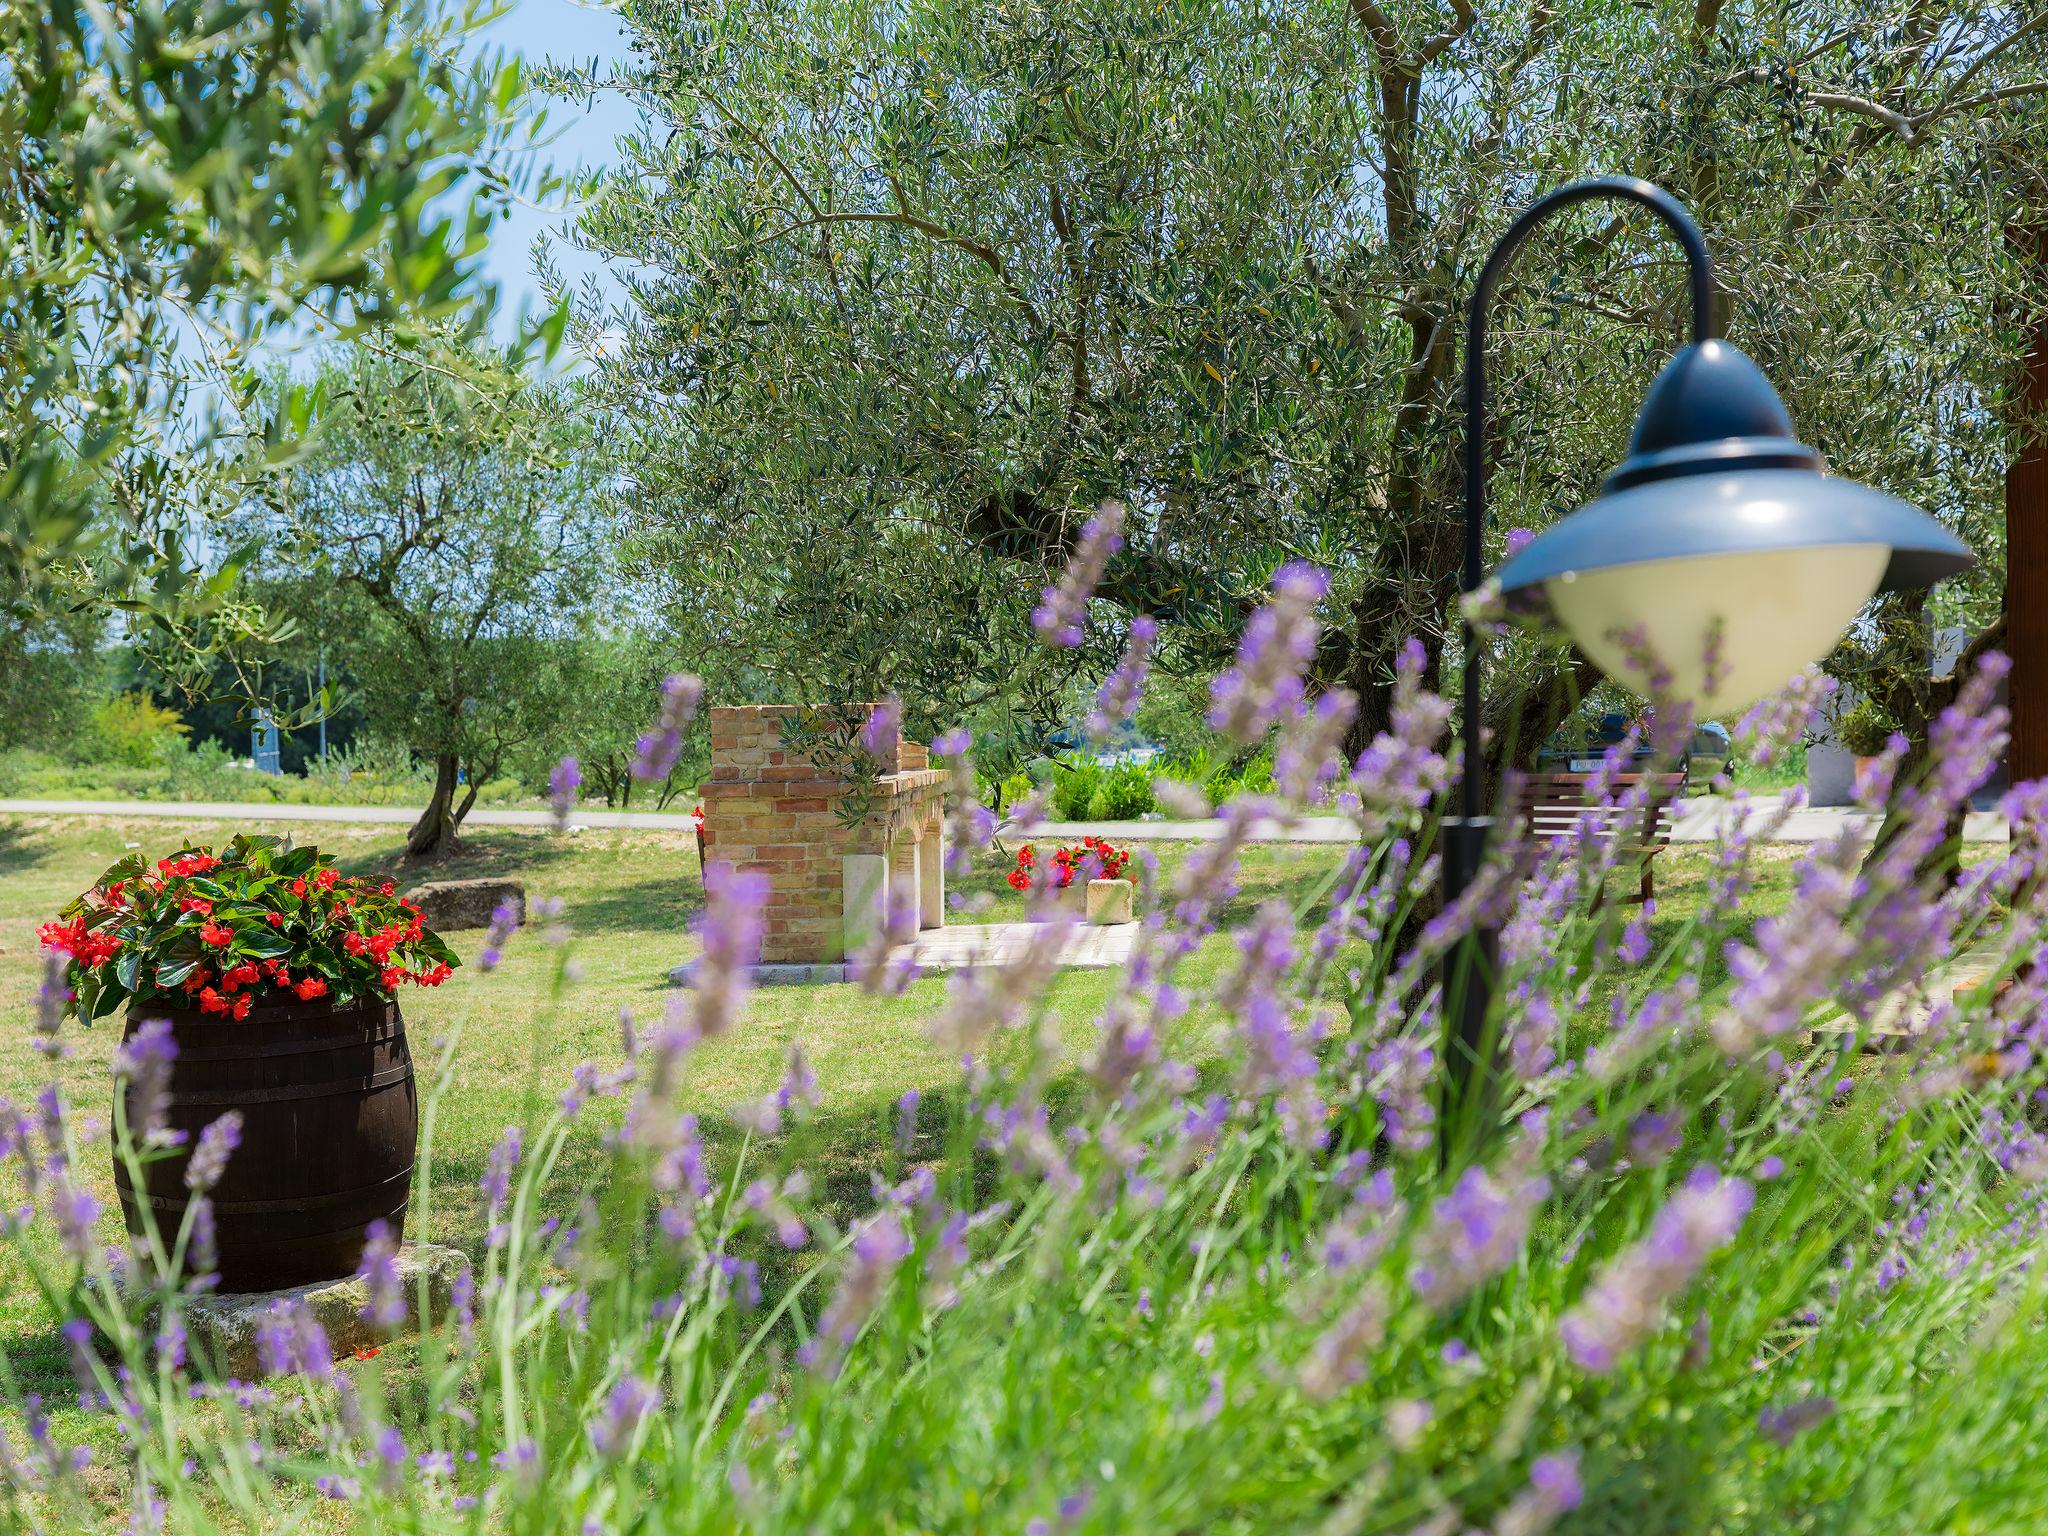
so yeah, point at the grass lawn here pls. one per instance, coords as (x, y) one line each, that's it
(630, 896)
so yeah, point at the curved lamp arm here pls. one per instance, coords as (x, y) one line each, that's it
(1470, 1045)
(1700, 272)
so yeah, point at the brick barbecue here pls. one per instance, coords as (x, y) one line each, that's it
(772, 809)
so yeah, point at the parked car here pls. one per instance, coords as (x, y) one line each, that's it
(1579, 747)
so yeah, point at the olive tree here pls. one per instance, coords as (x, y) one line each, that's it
(910, 288)
(443, 532)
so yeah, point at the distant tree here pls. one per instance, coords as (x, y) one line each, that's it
(441, 533)
(909, 291)
(50, 668)
(617, 695)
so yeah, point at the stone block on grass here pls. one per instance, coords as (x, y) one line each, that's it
(223, 1328)
(451, 904)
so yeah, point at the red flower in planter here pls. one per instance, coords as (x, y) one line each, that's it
(206, 931)
(64, 938)
(1067, 862)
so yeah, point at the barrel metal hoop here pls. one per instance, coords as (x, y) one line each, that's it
(330, 1088)
(262, 1207)
(305, 1047)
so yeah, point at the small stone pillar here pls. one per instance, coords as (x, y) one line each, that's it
(771, 809)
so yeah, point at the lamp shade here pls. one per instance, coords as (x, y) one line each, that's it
(1719, 552)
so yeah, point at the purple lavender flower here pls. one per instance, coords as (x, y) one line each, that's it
(970, 825)
(1401, 1077)
(522, 1460)
(78, 1335)
(906, 1121)
(884, 964)
(882, 729)
(77, 1213)
(880, 1244)
(53, 999)
(1338, 1358)
(1277, 1059)
(563, 782)
(1402, 769)
(496, 1183)
(504, 920)
(1475, 1232)
(291, 1342)
(210, 1157)
(379, 1273)
(1117, 699)
(1308, 757)
(1653, 1137)
(730, 930)
(1061, 618)
(1626, 1302)
(204, 1251)
(1784, 1425)
(392, 1455)
(1278, 644)
(799, 1083)
(1773, 726)
(657, 752)
(1554, 1490)
(631, 1400)
(143, 1062)
(1518, 539)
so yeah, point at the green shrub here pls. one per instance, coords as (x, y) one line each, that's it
(1123, 792)
(133, 730)
(1073, 792)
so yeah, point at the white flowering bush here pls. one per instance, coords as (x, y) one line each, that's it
(1689, 1267)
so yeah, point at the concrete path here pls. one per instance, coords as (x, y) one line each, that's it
(1703, 818)
(957, 947)
(400, 815)
(1698, 822)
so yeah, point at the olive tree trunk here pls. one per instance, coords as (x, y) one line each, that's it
(433, 835)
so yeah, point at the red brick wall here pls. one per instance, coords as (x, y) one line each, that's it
(767, 809)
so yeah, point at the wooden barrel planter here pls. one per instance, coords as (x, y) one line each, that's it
(330, 1121)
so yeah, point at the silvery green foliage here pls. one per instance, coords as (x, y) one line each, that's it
(178, 180)
(911, 290)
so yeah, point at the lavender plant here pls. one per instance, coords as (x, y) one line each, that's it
(1707, 1269)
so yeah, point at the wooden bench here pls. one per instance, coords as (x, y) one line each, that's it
(1554, 805)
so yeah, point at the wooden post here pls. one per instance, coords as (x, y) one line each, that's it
(2026, 531)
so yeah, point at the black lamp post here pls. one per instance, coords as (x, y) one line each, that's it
(1718, 533)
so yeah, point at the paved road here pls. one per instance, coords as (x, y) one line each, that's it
(1700, 820)
(260, 810)
(1698, 823)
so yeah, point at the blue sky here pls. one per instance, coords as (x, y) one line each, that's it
(565, 31)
